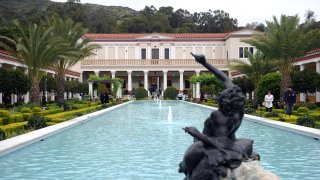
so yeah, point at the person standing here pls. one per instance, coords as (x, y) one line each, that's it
(268, 99)
(290, 99)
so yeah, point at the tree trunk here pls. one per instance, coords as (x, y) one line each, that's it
(60, 92)
(284, 84)
(35, 90)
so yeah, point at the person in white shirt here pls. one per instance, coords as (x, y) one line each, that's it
(268, 99)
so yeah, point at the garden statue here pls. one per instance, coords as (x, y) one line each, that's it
(217, 149)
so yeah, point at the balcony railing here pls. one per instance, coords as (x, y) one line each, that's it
(150, 62)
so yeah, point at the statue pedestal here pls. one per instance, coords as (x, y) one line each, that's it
(251, 170)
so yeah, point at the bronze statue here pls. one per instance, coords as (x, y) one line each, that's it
(216, 149)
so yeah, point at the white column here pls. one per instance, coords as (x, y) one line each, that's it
(193, 91)
(318, 71)
(96, 73)
(1, 93)
(53, 96)
(198, 87)
(26, 96)
(302, 95)
(81, 77)
(119, 93)
(146, 84)
(165, 72)
(90, 89)
(129, 81)
(181, 80)
(14, 96)
(113, 75)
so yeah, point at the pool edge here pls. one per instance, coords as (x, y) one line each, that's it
(306, 131)
(12, 144)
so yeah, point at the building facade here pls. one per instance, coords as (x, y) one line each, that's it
(7, 61)
(159, 60)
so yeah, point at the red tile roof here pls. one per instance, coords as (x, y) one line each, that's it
(314, 51)
(4, 52)
(173, 35)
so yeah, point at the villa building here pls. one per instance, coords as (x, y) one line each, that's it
(159, 60)
(156, 61)
(310, 61)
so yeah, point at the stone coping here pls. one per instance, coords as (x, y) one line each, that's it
(310, 132)
(12, 144)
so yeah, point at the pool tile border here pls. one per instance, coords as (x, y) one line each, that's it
(12, 144)
(310, 132)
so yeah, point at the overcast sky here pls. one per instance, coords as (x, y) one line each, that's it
(246, 11)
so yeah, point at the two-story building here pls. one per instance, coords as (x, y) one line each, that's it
(159, 60)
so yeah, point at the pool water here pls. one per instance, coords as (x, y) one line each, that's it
(136, 142)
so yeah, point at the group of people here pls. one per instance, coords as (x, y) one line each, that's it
(289, 98)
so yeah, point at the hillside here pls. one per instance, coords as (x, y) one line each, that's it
(19, 9)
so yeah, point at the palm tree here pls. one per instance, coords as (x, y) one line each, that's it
(78, 48)
(254, 69)
(283, 42)
(36, 48)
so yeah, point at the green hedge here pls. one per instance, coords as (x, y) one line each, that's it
(141, 93)
(14, 127)
(315, 115)
(4, 113)
(170, 93)
(60, 117)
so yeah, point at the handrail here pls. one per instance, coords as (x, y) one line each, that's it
(149, 62)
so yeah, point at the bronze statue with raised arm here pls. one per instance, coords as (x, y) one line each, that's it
(216, 149)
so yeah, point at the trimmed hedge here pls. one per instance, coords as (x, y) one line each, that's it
(3, 134)
(170, 93)
(25, 110)
(303, 110)
(306, 121)
(36, 109)
(14, 127)
(141, 93)
(4, 113)
(60, 117)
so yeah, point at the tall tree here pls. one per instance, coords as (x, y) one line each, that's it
(305, 81)
(283, 42)
(78, 48)
(255, 68)
(36, 47)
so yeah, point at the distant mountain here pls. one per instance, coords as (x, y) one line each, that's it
(17, 9)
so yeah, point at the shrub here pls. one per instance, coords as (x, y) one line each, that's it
(306, 121)
(25, 110)
(249, 110)
(78, 114)
(3, 134)
(37, 122)
(281, 111)
(4, 113)
(141, 93)
(14, 127)
(312, 106)
(170, 93)
(272, 114)
(316, 116)
(303, 110)
(36, 109)
(282, 119)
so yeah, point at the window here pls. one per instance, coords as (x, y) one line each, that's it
(166, 53)
(169, 83)
(143, 53)
(243, 50)
(155, 53)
